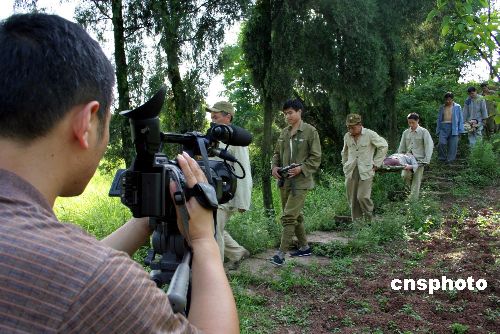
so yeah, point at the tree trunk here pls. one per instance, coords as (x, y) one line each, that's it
(121, 79)
(171, 46)
(267, 150)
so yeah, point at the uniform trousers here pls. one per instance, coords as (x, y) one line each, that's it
(228, 247)
(359, 195)
(413, 181)
(292, 218)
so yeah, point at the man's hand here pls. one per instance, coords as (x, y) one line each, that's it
(201, 223)
(295, 171)
(374, 168)
(408, 167)
(275, 173)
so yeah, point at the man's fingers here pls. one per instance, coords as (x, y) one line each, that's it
(195, 168)
(186, 169)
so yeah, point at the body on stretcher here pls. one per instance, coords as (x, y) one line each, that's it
(398, 161)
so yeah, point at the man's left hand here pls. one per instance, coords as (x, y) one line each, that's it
(294, 171)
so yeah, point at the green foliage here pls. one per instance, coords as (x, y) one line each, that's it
(474, 24)
(94, 211)
(483, 161)
(457, 328)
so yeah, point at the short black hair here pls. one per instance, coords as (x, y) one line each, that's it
(47, 66)
(448, 94)
(295, 104)
(471, 89)
(484, 84)
(413, 116)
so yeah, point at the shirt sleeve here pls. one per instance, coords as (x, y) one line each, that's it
(311, 164)
(483, 110)
(428, 146)
(460, 120)
(381, 146)
(121, 298)
(242, 197)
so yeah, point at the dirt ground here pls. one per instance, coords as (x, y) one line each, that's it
(358, 298)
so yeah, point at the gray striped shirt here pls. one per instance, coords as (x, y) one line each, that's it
(55, 278)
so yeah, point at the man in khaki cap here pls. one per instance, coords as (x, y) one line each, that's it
(223, 113)
(363, 152)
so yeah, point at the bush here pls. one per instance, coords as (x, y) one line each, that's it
(483, 161)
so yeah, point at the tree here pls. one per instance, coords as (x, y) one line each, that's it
(475, 25)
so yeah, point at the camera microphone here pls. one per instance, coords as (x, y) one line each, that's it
(231, 134)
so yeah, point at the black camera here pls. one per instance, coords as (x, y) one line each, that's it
(283, 172)
(144, 188)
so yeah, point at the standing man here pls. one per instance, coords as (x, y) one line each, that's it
(490, 125)
(364, 151)
(298, 143)
(476, 114)
(449, 127)
(417, 141)
(223, 113)
(56, 94)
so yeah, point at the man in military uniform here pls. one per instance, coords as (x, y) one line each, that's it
(364, 151)
(223, 113)
(298, 143)
(417, 141)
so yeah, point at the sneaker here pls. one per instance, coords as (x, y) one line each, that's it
(277, 261)
(299, 253)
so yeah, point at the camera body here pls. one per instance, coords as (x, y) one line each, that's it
(283, 172)
(145, 188)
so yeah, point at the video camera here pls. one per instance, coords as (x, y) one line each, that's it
(144, 188)
(283, 172)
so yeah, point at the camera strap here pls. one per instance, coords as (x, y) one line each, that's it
(180, 202)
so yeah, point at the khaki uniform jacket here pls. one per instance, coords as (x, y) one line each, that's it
(418, 142)
(368, 151)
(304, 147)
(242, 196)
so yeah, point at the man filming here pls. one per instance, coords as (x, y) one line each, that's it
(54, 129)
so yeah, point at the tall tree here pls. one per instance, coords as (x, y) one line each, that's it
(269, 40)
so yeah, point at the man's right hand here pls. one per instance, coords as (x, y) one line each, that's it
(201, 222)
(275, 173)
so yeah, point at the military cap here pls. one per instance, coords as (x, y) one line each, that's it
(353, 119)
(222, 106)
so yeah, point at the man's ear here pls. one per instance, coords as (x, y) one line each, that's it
(82, 120)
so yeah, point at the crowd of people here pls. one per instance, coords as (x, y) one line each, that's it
(55, 101)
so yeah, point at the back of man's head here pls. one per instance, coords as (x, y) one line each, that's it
(47, 66)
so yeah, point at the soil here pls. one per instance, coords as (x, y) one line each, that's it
(359, 298)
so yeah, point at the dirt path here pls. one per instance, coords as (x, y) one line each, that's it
(321, 295)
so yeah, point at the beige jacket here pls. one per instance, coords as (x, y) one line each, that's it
(243, 194)
(418, 142)
(368, 151)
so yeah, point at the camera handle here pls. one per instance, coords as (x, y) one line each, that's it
(173, 266)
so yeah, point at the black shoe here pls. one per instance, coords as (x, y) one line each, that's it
(300, 253)
(277, 261)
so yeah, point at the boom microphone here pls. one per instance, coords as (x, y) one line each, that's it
(231, 135)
